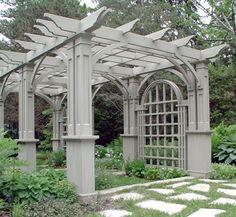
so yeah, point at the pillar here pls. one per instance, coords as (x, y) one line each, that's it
(80, 142)
(199, 134)
(130, 136)
(27, 139)
(1, 118)
(56, 140)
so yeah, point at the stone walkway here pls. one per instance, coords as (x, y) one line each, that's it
(192, 192)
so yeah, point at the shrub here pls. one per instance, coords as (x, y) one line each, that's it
(220, 133)
(100, 151)
(116, 147)
(223, 171)
(36, 186)
(57, 158)
(109, 164)
(103, 180)
(135, 168)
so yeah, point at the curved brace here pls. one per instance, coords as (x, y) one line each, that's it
(96, 91)
(115, 83)
(46, 98)
(181, 70)
(36, 68)
(177, 73)
(105, 50)
(9, 90)
(62, 100)
(4, 85)
(183, 60)
(170, 83)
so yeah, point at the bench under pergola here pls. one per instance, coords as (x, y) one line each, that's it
(73, 59)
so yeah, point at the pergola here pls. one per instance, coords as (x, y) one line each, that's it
(74, 58)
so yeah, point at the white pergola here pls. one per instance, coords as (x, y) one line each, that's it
(74, 58)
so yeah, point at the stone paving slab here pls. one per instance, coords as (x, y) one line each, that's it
(230, 192)
(179, 184)
(212, 181)
(115, 213)
(233, 185)
(207, 213)
(224, 201)
(128, 196)
(169, 208)
(189, 197)
(163, 191)
(200, 187)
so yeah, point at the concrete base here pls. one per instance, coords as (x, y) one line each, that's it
(199, 153)
(80, 151)
(88, 198)
(56, 144)
(130, 146)
(28, 154)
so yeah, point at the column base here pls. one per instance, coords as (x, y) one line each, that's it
(80, 151)
(28, 153)
(130, 146)
(199, 153)
(56, 144)
(88, 198)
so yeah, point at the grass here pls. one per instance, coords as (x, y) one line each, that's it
(192, 206)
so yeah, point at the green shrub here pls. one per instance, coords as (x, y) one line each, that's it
(18, 210)
(109, 164)
(3, 205)
(100, 151)
(135, 168)
(103, 180)
(116, 148)
(220, 133)
(223, 171)
(57, 158)
(36, 186)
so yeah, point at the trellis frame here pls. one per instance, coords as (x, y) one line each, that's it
(73, 55)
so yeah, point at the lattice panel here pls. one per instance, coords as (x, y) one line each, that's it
(162, 128)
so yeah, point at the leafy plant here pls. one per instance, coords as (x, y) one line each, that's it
(103, 180)
(227, 151)
(18, 210)
(100, 151)
(109, 164)
(135, 168)
(57, 158)
(223, 171)
(37, 186)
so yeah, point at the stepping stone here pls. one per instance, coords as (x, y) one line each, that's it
(212, 180)
(128, 196)
(200, 187)
(115, 213)
(162, 191)
(177, 185)
(189, 197)
(169, 208)
(207, 213)
(227, 191)
(224, 201)
(231, 185)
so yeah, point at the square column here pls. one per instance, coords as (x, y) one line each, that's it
(130, 136)
(56, 144)
(1, 118)
(80, 142)
(27, 139)
(199, 134)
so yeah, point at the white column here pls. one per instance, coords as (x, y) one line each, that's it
(56, 130)
(26, 120)
(130, 136)
(199, 134)
(1, 118)
(80, 141)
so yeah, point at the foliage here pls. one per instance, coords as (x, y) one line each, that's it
(3, 205)
(18, 210)
(116, 147)
(135, 168)
(223, 171)
(227, 151)
(100, 151)
(138, 169)
(46, 144)
(46, 183)
(103, 180)
(57, 158)
(109, 164)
